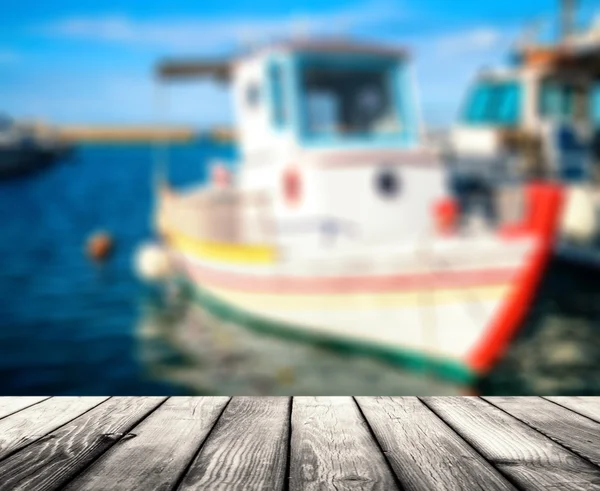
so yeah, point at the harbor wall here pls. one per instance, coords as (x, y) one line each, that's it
(125, 133)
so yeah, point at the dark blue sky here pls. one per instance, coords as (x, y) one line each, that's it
(79, 61)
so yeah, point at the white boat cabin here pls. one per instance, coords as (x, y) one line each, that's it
(329, 136)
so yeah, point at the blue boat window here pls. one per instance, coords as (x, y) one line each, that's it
(349, 101)
(278, 100)
(476, 109)
(494, 103)
(322, 111)
(561, 100)
(509, 105)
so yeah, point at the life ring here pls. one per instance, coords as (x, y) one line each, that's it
(292, 186)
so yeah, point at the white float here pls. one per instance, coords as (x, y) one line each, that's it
(152, 262)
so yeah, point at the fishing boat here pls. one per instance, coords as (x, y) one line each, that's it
(25, 149)
(536, 118)
(337, 225)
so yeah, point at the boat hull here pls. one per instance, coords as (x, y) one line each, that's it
(396, 354)
(17, 162)
(450, 307)
(440, 321)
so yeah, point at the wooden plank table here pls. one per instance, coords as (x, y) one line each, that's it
(299, 443)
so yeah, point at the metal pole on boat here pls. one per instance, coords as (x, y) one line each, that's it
(160, 175)
(567, 18)
(421, 129)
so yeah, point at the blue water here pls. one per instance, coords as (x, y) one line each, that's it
(68, 326)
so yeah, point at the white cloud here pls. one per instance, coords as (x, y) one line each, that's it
(473, 40)
(202, 34)
(447, 63)
(8, 55)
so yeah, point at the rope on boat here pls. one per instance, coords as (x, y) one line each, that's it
(160, 174)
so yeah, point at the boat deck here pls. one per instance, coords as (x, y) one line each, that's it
(281, 443)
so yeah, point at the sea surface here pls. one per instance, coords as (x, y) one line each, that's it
(69, 326)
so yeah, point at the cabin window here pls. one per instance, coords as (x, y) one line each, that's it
(252, 95)
(349, 101)
(494, 103)
(278, 101)
(562, 101)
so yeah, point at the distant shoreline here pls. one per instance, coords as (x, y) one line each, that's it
(83, 134)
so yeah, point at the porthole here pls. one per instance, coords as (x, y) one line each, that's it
(387, 183)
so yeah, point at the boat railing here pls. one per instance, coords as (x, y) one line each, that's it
(218, 216)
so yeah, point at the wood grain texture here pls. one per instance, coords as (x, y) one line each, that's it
(165, 443)
(53, 460)
(424, 452)
(586, 406)
(35, 422)
(247, 449)
(10, 405)
(332, 448)
(530, 459)
(573, 431)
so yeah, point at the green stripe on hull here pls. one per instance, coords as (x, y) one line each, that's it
(450, 370)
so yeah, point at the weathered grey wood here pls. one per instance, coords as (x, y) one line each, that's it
(52, 461)
(530, 459)
(164, 445)
(31, 424)
(425, 453)
(247, 449)
(586, 406)
(571, 430)
(10, 405)
(332, 448)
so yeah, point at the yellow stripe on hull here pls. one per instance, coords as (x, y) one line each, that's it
(224, 252)
(360, 301)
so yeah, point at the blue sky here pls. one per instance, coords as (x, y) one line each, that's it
(79, 61)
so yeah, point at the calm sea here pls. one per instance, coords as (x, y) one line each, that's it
(68, 326)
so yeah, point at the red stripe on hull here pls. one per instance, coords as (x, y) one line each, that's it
(545, 202)
(349, 284)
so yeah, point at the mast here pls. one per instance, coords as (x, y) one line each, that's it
(567, 18)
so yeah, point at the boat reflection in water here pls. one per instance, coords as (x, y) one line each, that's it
(182, 343)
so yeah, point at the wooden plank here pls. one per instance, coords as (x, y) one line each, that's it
(578, 433)
(332, 448)
(33, 423)
(425, 453)
(55, 459)
(247, 449)
(528, 458)
(165, 443)
(10, 405)
(586, 406)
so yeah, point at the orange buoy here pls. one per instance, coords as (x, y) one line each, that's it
(99, 246)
